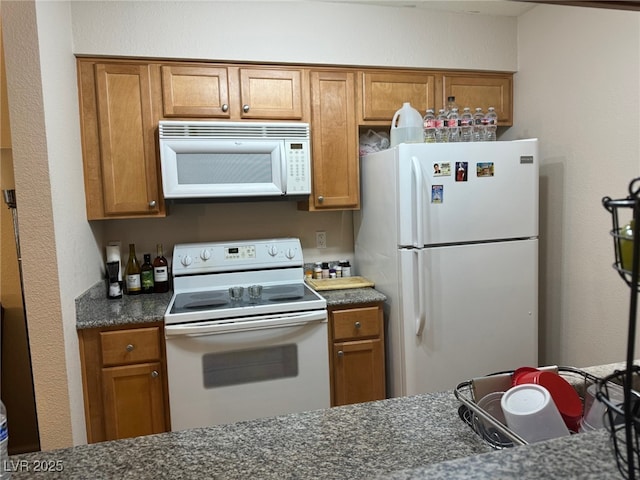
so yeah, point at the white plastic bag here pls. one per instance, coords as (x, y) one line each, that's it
(373, 141)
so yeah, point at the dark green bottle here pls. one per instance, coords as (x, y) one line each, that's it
(146, 274)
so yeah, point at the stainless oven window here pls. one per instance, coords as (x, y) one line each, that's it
(249, 366)
(223, 168)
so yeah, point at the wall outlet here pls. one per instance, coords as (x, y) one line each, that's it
(321, 239)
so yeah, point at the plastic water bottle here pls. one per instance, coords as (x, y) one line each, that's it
(491, 127)
(478, 126)
(442, 131)
(453, 123)
(429, 127)
(451, 104)
(5, 472)
(466, 125)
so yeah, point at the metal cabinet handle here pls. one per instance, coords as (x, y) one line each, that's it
(154, 374)
(225, 107)
(130, 348)
(320, 199)
(152, 203)
(245, 108)
(340, 353)
(358, 324)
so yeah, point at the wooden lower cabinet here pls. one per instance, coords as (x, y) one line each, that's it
(356, 338)
(125, 381)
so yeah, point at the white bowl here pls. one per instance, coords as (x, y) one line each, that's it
(531, 413)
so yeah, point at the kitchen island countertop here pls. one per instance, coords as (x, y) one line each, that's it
(416, 437)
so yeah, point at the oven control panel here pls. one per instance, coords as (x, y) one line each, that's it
(240, 253)
(216, 257)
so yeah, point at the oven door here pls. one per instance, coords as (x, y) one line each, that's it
(244, 369)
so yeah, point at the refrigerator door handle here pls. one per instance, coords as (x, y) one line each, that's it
(416, 169)
(420, 319)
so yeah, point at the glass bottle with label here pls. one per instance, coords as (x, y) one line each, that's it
(160, 271)
(132, 272)
(146, 274)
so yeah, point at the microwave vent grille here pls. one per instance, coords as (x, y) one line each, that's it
(232, 130)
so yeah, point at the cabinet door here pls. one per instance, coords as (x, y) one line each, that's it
(195, 91)
(480, 90)
(133, 400)
(382, 94)
(127, 140)
(271, 94)
(359, 371)
(334, 138)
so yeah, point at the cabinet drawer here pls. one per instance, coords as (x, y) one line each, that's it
(356, 323)
(130, 346)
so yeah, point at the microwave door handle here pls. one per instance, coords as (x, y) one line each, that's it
(283, 169)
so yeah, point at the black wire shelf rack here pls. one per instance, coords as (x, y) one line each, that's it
(623, 419)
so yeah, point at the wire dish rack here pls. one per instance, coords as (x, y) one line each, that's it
(493, 432)
(623, 421)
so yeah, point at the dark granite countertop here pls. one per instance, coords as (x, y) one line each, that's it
(354, 441)
(417, 437)
(93, 309)
(352, 296)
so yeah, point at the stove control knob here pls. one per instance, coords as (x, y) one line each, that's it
(273, 250)
(291, 254)
(205, 255)
(186, 260)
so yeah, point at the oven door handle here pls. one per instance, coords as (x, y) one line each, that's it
(261, 323)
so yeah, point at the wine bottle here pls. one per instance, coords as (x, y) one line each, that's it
(146, 274)
(160, 271)
(132, 272)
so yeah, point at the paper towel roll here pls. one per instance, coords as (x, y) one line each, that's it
(113, 255)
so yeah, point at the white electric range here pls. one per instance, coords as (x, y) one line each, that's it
(246, 338)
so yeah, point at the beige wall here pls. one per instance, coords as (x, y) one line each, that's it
(55, 236)
(577, 89)
(5, 130)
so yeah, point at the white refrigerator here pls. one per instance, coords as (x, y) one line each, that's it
(449, 233)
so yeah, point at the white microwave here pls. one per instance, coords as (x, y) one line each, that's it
(234, 159)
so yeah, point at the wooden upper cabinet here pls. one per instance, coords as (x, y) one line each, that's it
(383, 93)
(231, 92)
(121, 170)
(271, 94)
(481, 90)
(195, 91)
(334, 140)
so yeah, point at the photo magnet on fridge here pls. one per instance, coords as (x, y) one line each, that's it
(442, 169)
(461, 171)
(436, 193)
(484, 169)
